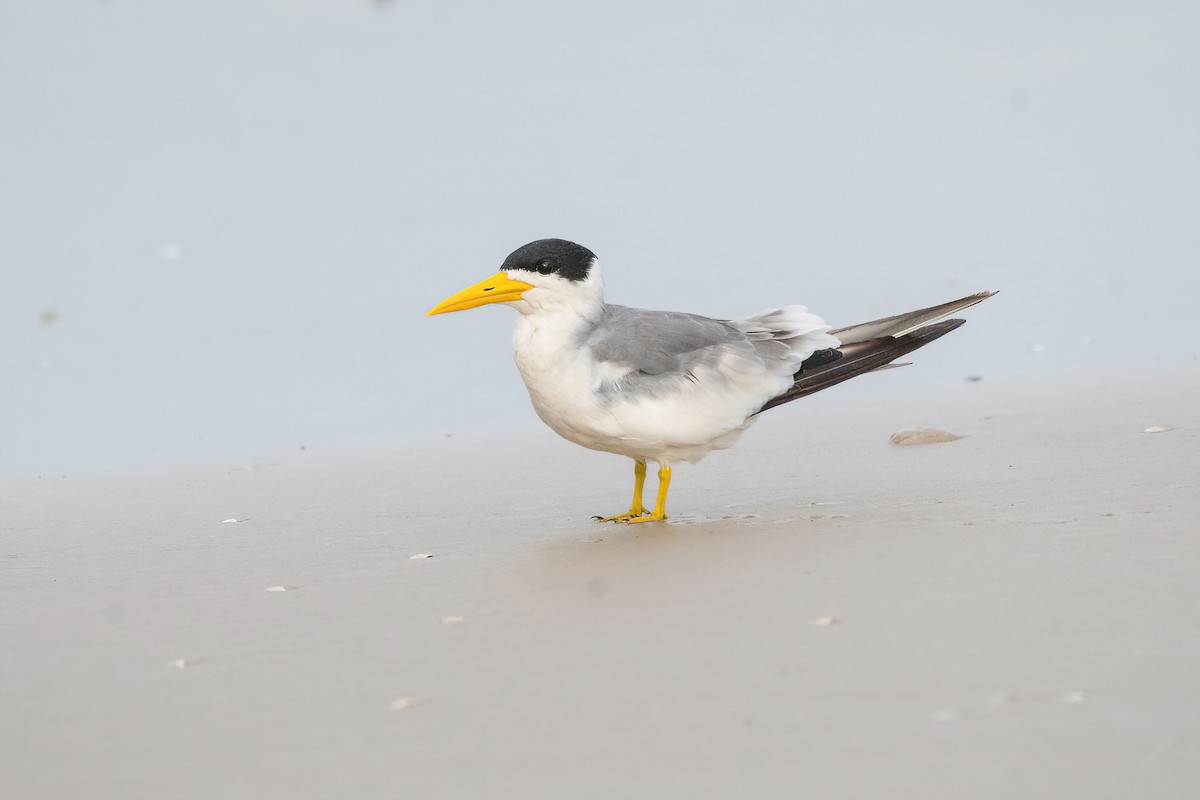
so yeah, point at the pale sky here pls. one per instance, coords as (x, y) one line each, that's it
(224, 220)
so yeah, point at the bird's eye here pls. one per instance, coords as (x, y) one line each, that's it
(544, 268)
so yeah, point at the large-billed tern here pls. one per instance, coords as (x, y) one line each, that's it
(664, 386)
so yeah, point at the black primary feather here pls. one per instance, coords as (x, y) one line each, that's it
(857, 359)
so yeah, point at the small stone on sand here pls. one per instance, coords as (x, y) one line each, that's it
(1154, 429)
(275, 589)
(401, 704)
(823, 621)
(420, 555)
(231, 519)
(911, 436)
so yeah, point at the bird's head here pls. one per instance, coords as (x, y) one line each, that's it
(544, 275)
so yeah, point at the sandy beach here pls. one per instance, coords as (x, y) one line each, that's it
(1012, 614)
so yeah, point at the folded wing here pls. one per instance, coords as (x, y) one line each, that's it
(874, 345)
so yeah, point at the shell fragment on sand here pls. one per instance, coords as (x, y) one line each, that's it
(911, 436)
(276, 589)
(1154, 429)
(420, 556)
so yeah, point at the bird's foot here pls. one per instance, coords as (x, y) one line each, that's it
(632, 515)
(648, 518)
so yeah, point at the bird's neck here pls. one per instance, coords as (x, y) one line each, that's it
(554, 328)
(552, 324)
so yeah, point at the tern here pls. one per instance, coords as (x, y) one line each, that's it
(665, 386)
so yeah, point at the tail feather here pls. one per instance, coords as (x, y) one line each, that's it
(859, 357)
(901, 324)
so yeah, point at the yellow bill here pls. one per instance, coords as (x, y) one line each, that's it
(497, 289)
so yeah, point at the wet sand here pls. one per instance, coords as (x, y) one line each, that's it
(1012, 614)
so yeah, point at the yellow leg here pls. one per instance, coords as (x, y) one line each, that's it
(660, 503)
(636, 509)
(639, 482)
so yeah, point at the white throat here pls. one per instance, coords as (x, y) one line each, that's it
(555, 314)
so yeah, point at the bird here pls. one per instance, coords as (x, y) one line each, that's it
(665, 386)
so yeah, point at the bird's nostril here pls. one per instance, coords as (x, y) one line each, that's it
(488, 289)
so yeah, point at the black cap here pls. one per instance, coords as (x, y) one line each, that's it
(552, 257)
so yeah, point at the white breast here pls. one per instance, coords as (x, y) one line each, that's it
(562, 378)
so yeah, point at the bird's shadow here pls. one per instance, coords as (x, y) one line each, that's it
(611, 557)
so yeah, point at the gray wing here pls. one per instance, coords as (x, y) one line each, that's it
(659, 342)
(902, 324)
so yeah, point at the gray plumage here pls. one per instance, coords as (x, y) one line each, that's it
(651, 350)
(655, 348)
(656, 342)
(901, 324)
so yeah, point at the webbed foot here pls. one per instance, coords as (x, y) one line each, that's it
(632, 515)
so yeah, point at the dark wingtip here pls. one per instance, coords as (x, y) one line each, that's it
(931, 332)
(820, 358)
(860, 358)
